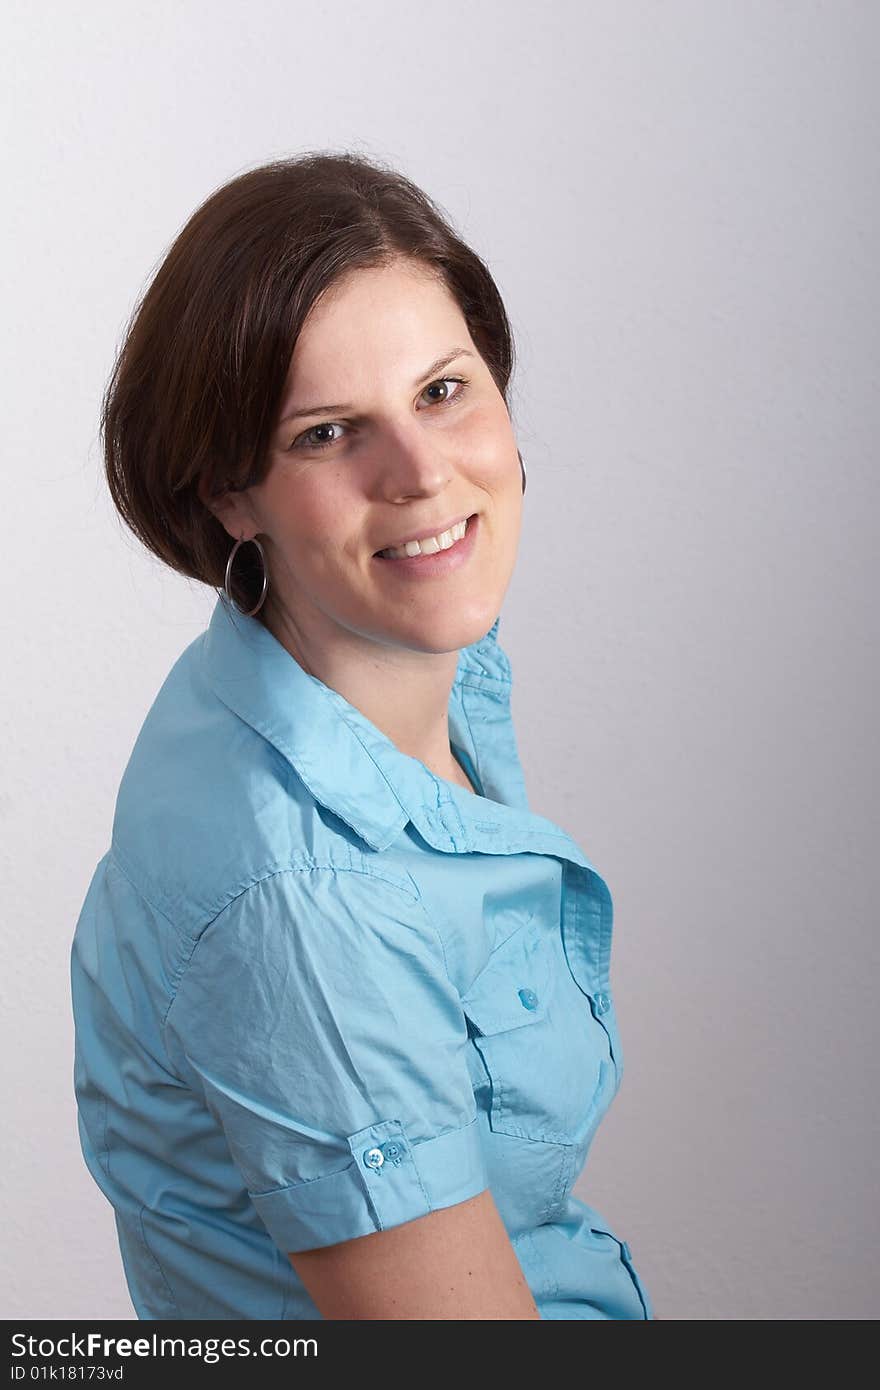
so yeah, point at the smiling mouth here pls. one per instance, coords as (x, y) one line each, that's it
(425, 554)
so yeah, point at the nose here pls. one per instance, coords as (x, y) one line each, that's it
(411, 464)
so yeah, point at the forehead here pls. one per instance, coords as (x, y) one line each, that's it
(385, 319)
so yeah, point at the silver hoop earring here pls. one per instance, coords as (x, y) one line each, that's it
(522, 469)
(229, 597)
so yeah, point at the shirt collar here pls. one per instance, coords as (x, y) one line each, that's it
(355, 771)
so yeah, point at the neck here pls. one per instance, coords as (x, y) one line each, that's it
(404, 693)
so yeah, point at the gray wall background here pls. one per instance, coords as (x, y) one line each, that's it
(679, 202)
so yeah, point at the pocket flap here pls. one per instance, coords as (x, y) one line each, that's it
(514, 987)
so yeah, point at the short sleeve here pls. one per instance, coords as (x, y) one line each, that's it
(318, 1021)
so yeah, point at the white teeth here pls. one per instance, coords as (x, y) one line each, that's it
(430, 545)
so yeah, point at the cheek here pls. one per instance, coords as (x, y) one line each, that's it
(311, 507)
(318, 517)
(489, 442)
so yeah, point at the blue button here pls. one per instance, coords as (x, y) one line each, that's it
(374, 1158)
(603, 1003)
(394, 1152)
(528, 998)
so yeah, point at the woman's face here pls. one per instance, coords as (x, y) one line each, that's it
(403, 449)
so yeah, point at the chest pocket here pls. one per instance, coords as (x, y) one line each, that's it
(546, 1060)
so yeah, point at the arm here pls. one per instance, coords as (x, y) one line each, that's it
(317, 1018)
(455, 1263)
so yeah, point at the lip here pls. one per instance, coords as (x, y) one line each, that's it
(423, 535)
(440, 563)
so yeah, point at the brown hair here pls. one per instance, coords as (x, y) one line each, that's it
(197, 384)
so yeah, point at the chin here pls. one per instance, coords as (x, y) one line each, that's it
(448, 632)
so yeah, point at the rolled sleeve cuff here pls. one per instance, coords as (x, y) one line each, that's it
(388, 1182)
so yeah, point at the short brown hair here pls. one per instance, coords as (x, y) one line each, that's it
(198, 381)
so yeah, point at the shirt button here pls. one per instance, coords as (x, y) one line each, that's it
(603, 1003)
(373, 1158)
(393, 1151)
(528, 998)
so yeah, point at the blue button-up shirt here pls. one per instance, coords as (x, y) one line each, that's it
(319, 991)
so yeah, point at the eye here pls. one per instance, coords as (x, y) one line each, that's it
(442, 381)
(304, 441)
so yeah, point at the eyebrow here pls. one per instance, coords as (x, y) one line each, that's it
(431, 371)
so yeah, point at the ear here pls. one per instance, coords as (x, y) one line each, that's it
(232, 510)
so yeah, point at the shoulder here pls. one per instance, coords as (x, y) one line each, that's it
(207, 806)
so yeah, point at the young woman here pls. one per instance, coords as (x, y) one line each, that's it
(344, 1024)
